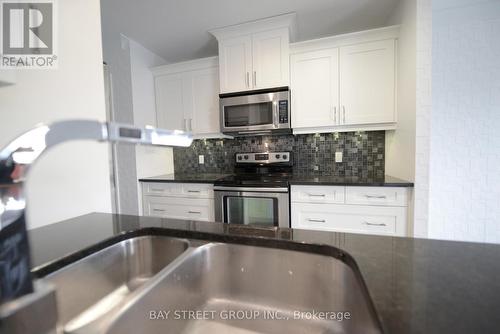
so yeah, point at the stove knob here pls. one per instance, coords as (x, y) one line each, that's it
(239, 157)
(278, 156)
(246, 157)
(285, 157)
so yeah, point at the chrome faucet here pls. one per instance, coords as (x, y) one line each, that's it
(15, 161)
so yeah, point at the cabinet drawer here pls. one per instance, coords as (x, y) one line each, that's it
(384, 196)
(317, 194)
(195, 190)
(350, 219)
(199, 190)
(161, 189)
(179, 208)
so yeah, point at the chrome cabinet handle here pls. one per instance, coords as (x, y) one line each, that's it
(343, 107)
(191, 125)
(194, 191)
(374, 224)
(317, 195)
(376, 196)
(195, 212)
(335, 115)
(248, 80)
(156, 189)
(158, 210)
(255, 78)
(317, 220)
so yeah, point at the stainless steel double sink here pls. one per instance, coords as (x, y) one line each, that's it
(156, 284)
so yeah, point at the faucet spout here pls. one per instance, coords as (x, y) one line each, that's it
(16, 160)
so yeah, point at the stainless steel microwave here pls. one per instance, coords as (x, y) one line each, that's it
(257, 112)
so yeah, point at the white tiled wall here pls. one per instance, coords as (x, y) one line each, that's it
(423, 110)
(464, 169)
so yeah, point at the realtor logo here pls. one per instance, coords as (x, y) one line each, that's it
(28, 38)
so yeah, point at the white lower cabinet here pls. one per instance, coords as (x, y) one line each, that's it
(178, 200)
(318, 194)
(349, 218)
(180, 208)
(367, 210)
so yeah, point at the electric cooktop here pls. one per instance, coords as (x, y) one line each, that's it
(263, 169)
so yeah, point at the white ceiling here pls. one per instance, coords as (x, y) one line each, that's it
(178, 29)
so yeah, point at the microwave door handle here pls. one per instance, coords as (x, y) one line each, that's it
(275, 108)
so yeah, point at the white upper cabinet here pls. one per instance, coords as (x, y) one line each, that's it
(255, 55)
(187, 97)
(345, 83)
(235, 59)
(205, 99)
(270, 55)
(367, 83)
(315, 88)
(170, 102)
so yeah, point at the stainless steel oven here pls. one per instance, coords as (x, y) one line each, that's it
(256, 112)
(252, 206)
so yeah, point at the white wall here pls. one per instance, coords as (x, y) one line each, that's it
(73, 179)
(150, 161)
(134, 102)
(464, 170)
(400, 143)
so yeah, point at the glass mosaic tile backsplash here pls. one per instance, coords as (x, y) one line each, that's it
(314, 154)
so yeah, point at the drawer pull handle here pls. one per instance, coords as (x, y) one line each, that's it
(376, 196)
(374, 224)
(158, 210)
(195, 212)
(317, 220)
(317, 195)
(194, 191)
(156, 189)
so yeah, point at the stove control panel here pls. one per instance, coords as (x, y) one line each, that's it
(263, 158)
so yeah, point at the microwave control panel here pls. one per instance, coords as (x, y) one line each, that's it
(283, 111)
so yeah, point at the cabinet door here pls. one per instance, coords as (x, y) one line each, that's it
(270, 59)
(235, 60)
(315, 89)
(170, 101)
(367, 83)
(205, 101)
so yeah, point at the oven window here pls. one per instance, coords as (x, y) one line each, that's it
(248, 114)
(251, 210)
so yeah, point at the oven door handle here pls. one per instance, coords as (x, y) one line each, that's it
(250, 189)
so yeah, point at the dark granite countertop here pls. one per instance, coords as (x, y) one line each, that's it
(386, 181)
(185, 178)
(295, 179)
(417, 285)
